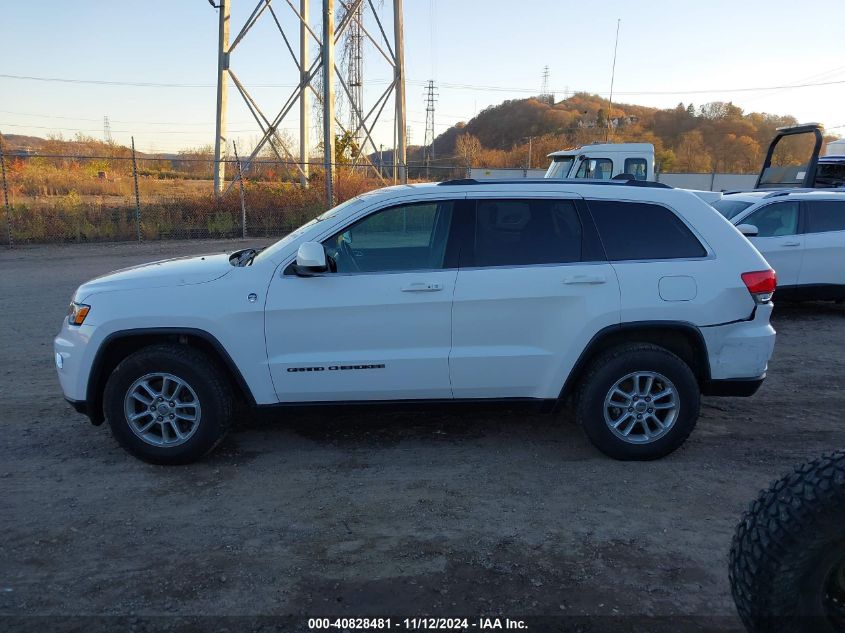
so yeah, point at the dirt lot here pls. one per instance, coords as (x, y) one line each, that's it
(400, 514)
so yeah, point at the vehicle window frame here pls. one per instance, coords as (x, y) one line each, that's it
(592, 251)
(799, 226)
(709, 253)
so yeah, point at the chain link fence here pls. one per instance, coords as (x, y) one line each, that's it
(59, 198)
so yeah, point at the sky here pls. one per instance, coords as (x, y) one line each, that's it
(479, 53)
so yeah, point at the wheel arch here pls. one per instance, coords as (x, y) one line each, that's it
(681, 338)
(118, 345)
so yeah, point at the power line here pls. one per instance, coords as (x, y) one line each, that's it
(150, 84)
(462, 86)
(637, 93)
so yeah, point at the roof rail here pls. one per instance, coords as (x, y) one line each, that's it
(556, 181)
(786, 192)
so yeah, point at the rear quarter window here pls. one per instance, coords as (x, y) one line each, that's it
(639, 230)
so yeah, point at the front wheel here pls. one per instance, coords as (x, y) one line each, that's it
(638, 402)
(168, 404)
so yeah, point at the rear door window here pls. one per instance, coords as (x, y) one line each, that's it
(525, 232)
(825, 215)
(638, 230)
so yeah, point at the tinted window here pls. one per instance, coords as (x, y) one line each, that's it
(409, 237)
(522, 232)
(775, 220)
(597, 168)
(637, 167)
(825, 215)
(636, 230)
(830, 175)
(730, 208)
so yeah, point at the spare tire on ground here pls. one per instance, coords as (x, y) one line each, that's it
(787, 559)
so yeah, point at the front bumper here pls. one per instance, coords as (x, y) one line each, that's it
(73, 360)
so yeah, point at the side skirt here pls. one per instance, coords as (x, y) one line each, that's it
(536, 405)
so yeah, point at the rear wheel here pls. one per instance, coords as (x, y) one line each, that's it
(638, 402)
(168, 404)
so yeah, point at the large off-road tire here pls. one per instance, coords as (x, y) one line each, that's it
(787, 560)
(168, 404)
(638, 402)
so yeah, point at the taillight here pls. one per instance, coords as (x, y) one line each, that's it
(761, 284)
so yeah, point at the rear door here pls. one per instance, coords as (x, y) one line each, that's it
(532, 289)
(779, 239)
(824, 243)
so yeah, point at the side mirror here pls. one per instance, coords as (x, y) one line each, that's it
(310, 259)
(748, 230)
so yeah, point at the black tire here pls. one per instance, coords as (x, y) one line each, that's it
(610, 367)
(197, 370)
(787, 550)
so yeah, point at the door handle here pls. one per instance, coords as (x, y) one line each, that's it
(585, 279)
(423, 286)
(785, 244)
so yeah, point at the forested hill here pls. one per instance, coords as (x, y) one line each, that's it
(715, 136)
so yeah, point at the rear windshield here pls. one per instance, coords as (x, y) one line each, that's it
(731, 208)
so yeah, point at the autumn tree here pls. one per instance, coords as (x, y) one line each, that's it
(467, 147)
(692, 154)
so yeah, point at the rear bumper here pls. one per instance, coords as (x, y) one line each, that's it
(736, 387)
(740, 349)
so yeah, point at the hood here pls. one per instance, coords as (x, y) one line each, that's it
(180, 271)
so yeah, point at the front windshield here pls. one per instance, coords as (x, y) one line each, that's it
(731, 208)
(274, 248)
(560, 167)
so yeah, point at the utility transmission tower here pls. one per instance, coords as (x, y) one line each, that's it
(428, 143)
(546, 96)
(327, 36)
(107, 130)
(354, 61)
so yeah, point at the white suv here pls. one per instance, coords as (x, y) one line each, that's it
(628, 299)
(801, 234)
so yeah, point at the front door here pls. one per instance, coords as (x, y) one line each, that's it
(531, 291)
(778, 239)
(378, 327)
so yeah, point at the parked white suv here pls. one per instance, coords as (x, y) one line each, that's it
(801, 233)
(627, 299)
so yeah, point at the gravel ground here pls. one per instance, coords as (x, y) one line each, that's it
(467, 514)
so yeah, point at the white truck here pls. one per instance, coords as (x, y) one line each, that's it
(604, 161)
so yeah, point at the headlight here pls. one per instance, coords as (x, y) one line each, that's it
(77, 312)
